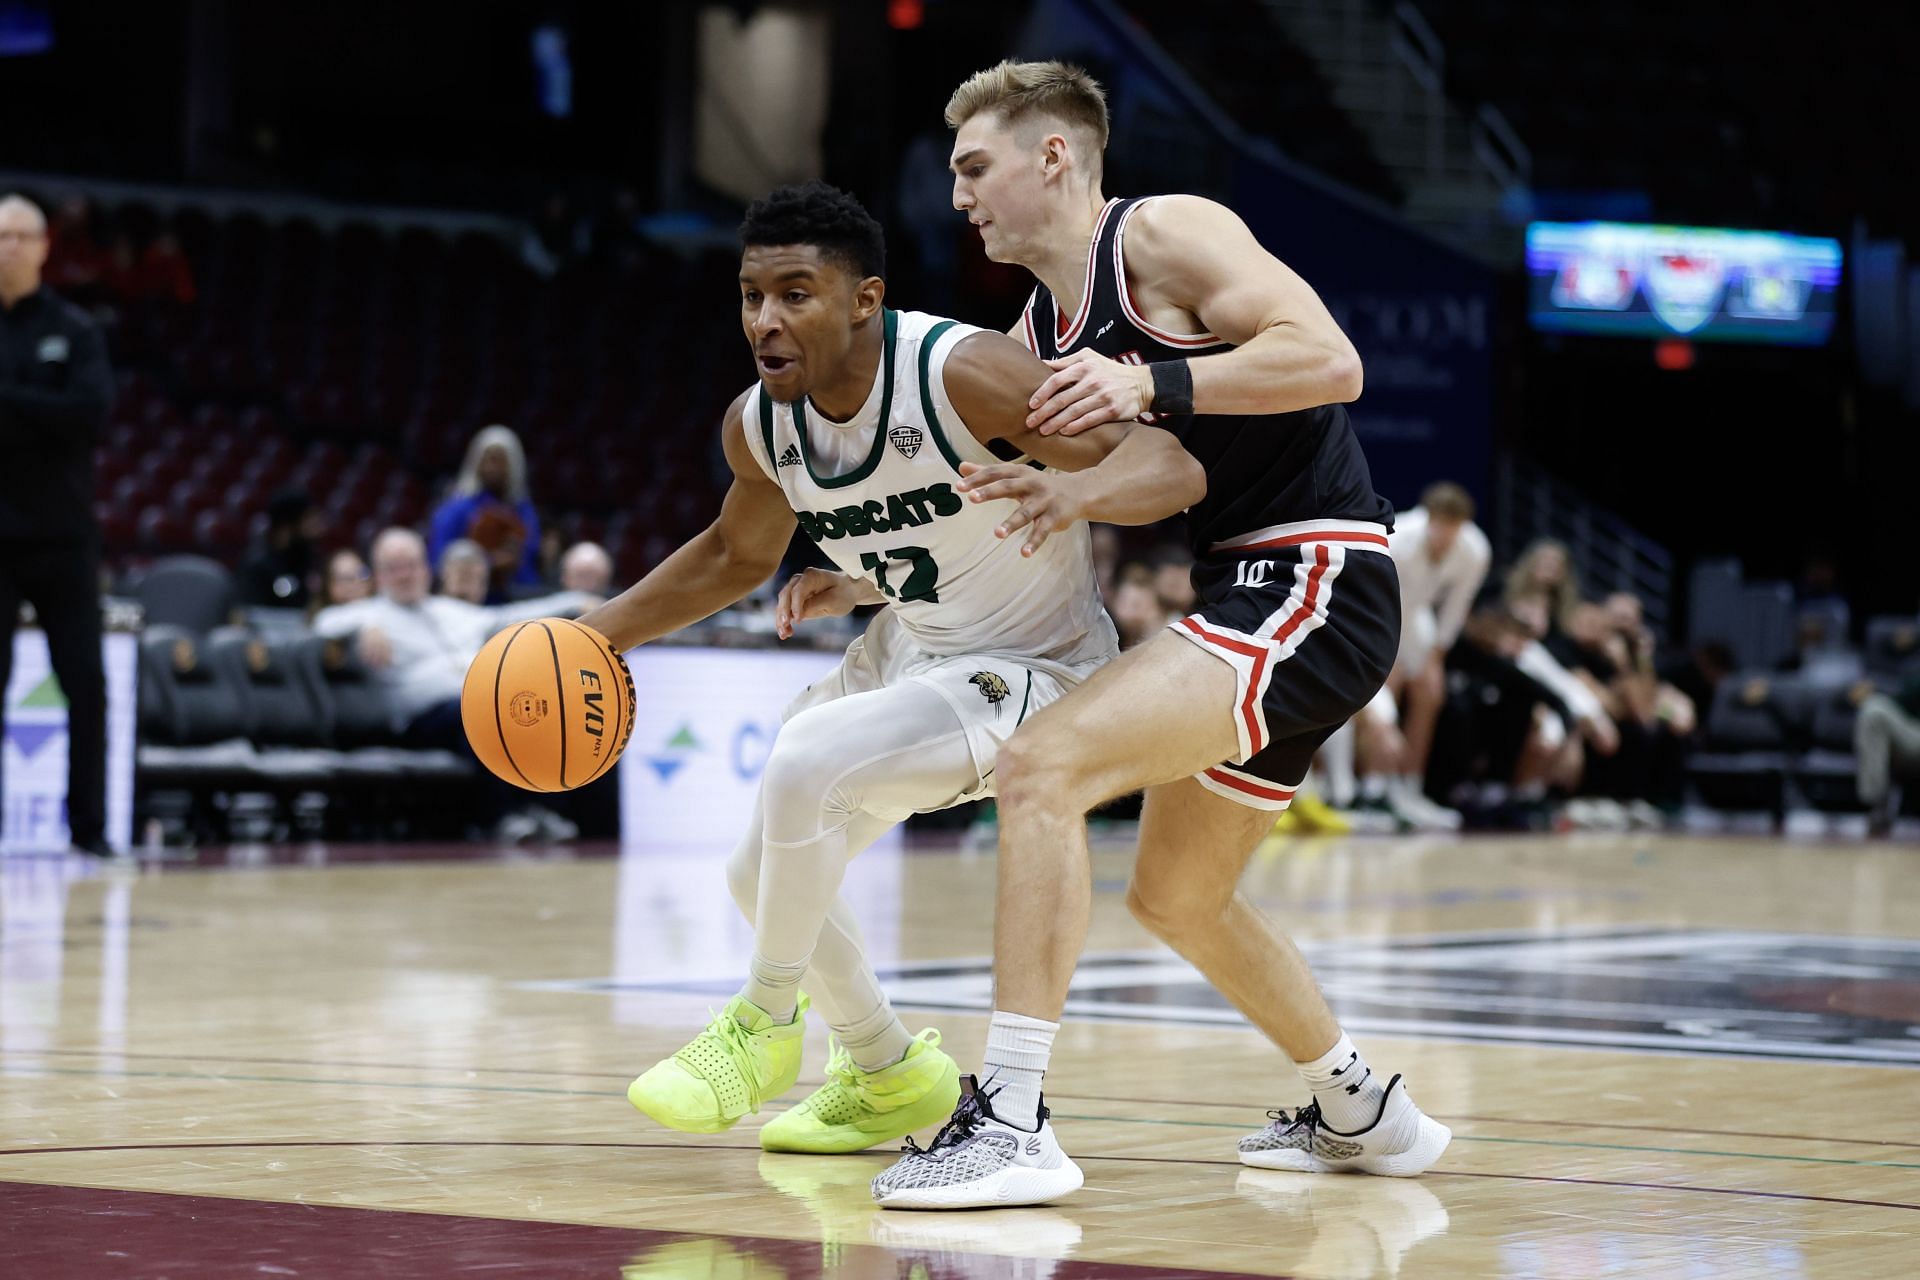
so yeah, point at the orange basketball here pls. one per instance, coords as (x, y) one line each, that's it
(548, 705)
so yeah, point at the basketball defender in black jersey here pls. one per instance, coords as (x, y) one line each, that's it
(1167, 310)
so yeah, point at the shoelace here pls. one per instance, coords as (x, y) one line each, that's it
(967, 1117)
(1307, 1117)
(735, 1039)
(840, 1066)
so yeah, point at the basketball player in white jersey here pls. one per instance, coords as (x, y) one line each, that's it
(861, 429)
(1166, 309)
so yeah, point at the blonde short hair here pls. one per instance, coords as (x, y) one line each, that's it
(1018, 90)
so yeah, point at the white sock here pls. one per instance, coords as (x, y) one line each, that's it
(774, 988)
(1345, 1087)
(1017, 1051)
(875, 1041)
(1373, 787)
(1335, 764)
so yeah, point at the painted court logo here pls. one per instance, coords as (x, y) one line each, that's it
(1806, 997)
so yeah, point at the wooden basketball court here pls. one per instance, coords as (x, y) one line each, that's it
(1660, 1057)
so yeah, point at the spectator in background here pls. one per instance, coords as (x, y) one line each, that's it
(1136, 608)
(346, 580)
(1886, 741)
(1442, 558)
(279, 572)
(1544, 573)
(419, 646)
(56, 390)
(587, 567)
(489, 504)
(1504, 732)
(465, 571)
(1173, 580)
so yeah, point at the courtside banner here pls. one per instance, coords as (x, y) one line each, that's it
(703, 724)
(35, 760)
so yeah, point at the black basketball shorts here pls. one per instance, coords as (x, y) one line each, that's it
(1308, 617)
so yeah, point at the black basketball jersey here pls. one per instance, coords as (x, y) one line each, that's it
(1262, 470)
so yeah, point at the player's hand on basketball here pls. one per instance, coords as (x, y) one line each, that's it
(1048, 501)
(375, 646)
(816, 593)
(1087, 390)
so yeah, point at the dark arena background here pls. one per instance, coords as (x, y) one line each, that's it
(336, 338)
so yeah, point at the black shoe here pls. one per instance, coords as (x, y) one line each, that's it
(99, 848)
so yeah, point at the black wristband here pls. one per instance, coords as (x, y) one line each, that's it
(1172, 386)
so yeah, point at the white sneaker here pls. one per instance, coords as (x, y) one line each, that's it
(553, 827)
(1411, 806)
(1402, 1141)
(517, 828)
(979, 1161)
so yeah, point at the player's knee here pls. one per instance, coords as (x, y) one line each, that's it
(743, 876)
(1173, 914)
(1032, 769)
(801, 767)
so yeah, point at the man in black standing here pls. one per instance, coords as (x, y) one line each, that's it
(55, 393)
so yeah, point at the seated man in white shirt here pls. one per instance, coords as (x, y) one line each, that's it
(1442, 558)
(418, 646)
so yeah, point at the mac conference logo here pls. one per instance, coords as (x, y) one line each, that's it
(674, 752)
(37, 718)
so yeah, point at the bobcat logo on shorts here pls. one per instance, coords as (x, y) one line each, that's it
(527, 709)
(906, 438)
(992, 687)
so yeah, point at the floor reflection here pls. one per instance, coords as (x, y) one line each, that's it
(1345, 1226)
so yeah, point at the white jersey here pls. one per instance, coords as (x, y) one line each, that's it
(877, 494)
(1441, 590)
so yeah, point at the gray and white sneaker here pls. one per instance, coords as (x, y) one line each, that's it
(978, 1161)
(1402, 1141)
(1286, 1142)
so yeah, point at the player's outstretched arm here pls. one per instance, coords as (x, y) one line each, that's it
(717, 567)
(820, 593)
(1119, 473)
(1288, 354)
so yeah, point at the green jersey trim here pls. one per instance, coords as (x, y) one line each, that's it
(865, 469)
(927, 342)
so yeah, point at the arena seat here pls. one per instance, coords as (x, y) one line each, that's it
(1748, 729)
(185, 591)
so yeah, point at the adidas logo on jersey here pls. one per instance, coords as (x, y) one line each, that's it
(791, 458)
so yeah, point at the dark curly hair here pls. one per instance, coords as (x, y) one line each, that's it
(825, 217)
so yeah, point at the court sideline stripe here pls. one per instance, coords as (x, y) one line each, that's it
(1147, 1102)
(1183, 1124)
(700, 1147)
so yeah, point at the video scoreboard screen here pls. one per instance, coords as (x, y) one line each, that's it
(1706, 283)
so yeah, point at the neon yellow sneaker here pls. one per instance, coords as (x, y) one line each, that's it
(1316, 817)
(742, 1059)
(858, 1109)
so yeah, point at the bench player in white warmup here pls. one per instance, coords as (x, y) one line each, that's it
(1167, 306)
(861, 428)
